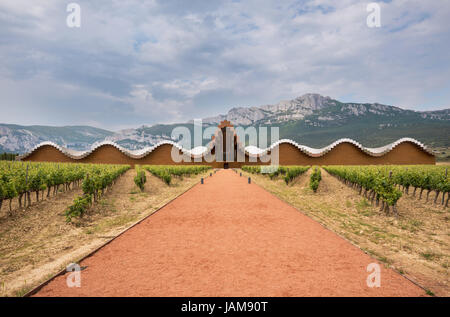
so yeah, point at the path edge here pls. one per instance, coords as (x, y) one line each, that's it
(64, 271)
(351, 242)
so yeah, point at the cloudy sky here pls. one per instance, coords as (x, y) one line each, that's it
(136, 62)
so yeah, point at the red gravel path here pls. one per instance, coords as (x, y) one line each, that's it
(229, 238)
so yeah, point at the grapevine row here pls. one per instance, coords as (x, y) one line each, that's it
(8, 157)
(96, 181)
(166, 172)
(315, 178)
(289, 173)
(378, 187)
(19, 180)
(140, 179)
(429, 178)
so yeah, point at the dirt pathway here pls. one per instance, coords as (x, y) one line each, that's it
(229, 238)
(415, 244)
(37, 243)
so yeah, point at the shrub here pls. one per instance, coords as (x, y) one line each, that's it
(79, 207)
(140, 179)
(165, 172)
(315, 179)
(167, 178)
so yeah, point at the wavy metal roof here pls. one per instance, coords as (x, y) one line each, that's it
(249, 150)
(313, 152)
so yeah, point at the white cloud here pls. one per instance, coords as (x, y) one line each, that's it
(154, 61)
(143, 103)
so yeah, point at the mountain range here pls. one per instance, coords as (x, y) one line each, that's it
(311, 119)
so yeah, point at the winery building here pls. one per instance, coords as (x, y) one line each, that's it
(220, 154)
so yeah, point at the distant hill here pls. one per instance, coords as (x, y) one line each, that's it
(317, 121)
(311, 119)
(19, 139)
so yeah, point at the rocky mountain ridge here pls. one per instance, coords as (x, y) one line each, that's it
(311, 119)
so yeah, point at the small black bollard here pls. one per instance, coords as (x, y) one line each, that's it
(249, 180)
(202, 180)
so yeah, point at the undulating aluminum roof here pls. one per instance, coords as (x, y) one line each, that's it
(249, 150)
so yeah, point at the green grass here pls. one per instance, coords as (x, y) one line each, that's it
(384, 259)
(23, 290)
(364, 207)
(430, 293)
(415, 223)
(112, 223)
(430, 256)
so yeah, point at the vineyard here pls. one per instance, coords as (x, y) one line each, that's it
(8, 156)
(87, 194)
(406, 230)
(96, 181)
(77, 206)
(140, 179)
(429, 178)
(166, 172)
(315, 178)
(19, 181)
(384, 185)
(289, 173)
